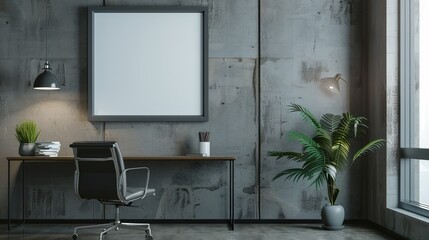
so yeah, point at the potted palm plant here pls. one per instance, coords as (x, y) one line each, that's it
(27, 133)
(324, 154)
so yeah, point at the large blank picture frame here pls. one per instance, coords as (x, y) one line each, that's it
(148, 64)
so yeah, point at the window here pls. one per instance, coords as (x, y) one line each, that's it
(414, 192)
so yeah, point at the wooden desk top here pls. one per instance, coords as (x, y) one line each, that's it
(127, 158)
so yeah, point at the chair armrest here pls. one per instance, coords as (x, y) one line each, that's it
(76, 183)
(123, 174)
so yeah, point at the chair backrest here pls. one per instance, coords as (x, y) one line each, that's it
(99, 166)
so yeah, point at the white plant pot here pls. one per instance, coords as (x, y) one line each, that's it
(332, 217)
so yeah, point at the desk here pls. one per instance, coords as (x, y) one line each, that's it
(33, 159)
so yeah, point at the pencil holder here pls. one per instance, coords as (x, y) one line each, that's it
(205, 149)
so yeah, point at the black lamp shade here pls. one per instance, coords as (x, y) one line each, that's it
(46, 81)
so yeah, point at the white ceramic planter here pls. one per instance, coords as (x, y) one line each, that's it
(332, 217)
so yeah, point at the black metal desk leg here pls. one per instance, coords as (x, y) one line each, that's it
(23, 191)
(231, 194)
(8, 195)
(9, 199)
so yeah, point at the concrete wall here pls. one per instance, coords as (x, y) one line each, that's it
(303, 42)
(300, 43)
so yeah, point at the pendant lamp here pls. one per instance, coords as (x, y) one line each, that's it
(46, 80)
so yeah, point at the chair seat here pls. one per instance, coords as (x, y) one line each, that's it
(135, 193)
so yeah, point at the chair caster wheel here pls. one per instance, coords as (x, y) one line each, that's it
(74, 237)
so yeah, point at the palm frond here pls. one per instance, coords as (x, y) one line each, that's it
(340, 141)
(370, 147)
(340, 154)
(314, 152)
(295, 174)
(319, 181)
(331, 171)
(306, 115)
(330, 122)
(358, 125)
(343, 128)
(324, 139)
(313, 166)
(311, 148)
(315, 169)
(289, 155)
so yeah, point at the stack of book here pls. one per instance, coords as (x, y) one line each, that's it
(50, 149)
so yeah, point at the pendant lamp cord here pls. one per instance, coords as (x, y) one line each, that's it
(46, 31)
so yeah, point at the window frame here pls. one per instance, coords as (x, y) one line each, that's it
(407, 74)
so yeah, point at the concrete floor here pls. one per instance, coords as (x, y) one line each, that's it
(199, 231)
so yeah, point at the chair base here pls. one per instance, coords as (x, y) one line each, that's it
(116, 225)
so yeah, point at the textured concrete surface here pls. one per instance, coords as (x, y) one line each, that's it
(203, 232)
(187, 190)
(301, 43)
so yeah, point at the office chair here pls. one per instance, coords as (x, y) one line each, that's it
(100, 174)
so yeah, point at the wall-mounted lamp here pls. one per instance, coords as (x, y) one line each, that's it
(46, 80)
(332, 84)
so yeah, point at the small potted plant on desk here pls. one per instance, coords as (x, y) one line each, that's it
(27, 133)
(324, 154)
